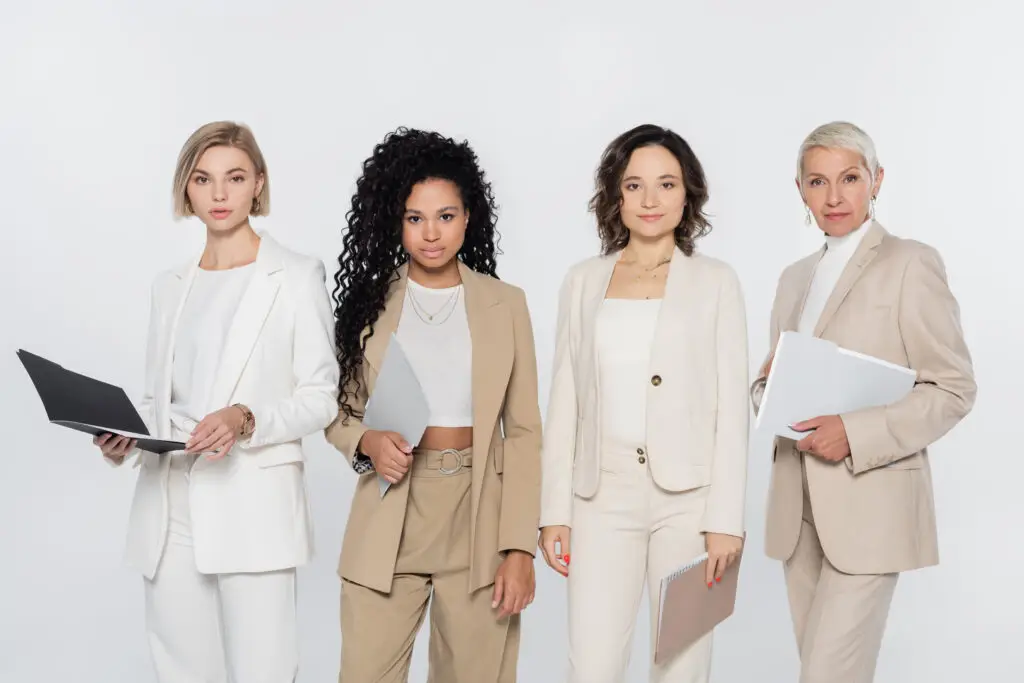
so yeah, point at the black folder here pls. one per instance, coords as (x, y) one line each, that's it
(89, 405)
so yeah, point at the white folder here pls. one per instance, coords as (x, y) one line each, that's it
(397, 403)
(811, 377)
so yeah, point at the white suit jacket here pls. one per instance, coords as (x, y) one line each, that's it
(249, 510)
(697, 400)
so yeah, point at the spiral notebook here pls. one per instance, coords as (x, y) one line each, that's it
(688, 609)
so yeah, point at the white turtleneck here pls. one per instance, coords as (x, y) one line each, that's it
(838, 252)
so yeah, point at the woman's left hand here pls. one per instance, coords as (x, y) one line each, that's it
(514, 584)
(217, 432)
(723, 550)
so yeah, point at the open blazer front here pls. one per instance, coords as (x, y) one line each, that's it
(505, 493)
(249, 513)
(697, 400)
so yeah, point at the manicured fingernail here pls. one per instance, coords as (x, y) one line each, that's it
(710, 584)
(718, 579)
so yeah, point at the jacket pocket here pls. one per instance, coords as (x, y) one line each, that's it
(911, 462)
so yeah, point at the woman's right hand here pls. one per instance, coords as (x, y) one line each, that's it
(390, 453)
(549, 536)
(114, 447)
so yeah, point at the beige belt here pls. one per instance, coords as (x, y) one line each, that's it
(445, 462)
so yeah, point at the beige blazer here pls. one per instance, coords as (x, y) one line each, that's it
(505, 494)
(697, 401)
(874, 512)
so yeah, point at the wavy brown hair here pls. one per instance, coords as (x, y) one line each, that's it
(607, 198)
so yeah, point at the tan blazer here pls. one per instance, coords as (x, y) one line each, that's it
(505, 494)
(874, 512)
(697, 401)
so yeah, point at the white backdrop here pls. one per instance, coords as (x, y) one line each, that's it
(97, 98)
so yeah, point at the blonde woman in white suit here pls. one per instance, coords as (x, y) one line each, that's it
(240, 366)
(645, 445)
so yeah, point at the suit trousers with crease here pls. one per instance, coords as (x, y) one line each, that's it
(468, 643)
(839, 619)
(216, 628)
(631, 532)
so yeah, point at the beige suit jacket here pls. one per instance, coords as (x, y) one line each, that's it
(505, 493)
(874, 512)
(697, 402)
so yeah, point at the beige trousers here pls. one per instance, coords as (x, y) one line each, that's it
(468, 643)
(839, 619)
(631, 533)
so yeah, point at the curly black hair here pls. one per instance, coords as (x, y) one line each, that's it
(372, 244)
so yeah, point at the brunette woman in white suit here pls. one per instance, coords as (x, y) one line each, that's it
(645, 445)
(240, 366)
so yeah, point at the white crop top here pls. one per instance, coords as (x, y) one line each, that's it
(202, 329)
(434, 333)
(623, 336)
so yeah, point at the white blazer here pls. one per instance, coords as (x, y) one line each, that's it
(697, 401)
(249, 509)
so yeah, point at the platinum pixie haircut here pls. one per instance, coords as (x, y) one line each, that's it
(840, 135)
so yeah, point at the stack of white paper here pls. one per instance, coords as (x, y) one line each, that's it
(398, 403)
(811, 377)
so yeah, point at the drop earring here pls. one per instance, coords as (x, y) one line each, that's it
(807, 218)
(872, 208)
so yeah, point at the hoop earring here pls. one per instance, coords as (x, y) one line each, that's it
(807, 218)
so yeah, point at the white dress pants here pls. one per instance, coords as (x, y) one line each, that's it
(223, 628)
(629, 533)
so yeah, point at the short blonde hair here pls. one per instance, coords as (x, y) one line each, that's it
(840, 135)
(219, 134)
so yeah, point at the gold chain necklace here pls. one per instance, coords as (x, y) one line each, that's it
(649, 269)
(420, 311)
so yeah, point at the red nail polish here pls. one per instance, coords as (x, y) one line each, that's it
(567, 558)
(710, 584)
(718, 579)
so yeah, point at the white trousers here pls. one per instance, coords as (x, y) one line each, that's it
(223, 628)
(629, 533)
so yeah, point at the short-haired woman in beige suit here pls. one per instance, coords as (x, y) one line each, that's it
(850, 505)
(645, 446)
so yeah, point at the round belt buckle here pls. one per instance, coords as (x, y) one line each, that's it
(458, 461)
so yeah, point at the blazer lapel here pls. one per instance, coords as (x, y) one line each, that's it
(682, 294)
(491, 334)
(186, 275)
(803, 282)
(246, 325)
(865, 253)
(387, 321)
(595, 288)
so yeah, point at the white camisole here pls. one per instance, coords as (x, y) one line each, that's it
(202, 329)
(624, 334)
(434, 333)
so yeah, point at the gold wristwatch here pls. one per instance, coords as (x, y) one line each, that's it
(249, 420)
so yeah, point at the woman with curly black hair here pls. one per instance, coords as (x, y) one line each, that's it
(645, 447)
(461, 513)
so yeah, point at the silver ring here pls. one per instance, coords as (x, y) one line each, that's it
(458, 461)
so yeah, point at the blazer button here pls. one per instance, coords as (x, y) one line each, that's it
(642, 460)
(656, 380)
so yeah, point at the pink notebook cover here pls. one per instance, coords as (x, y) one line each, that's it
(689, 609)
